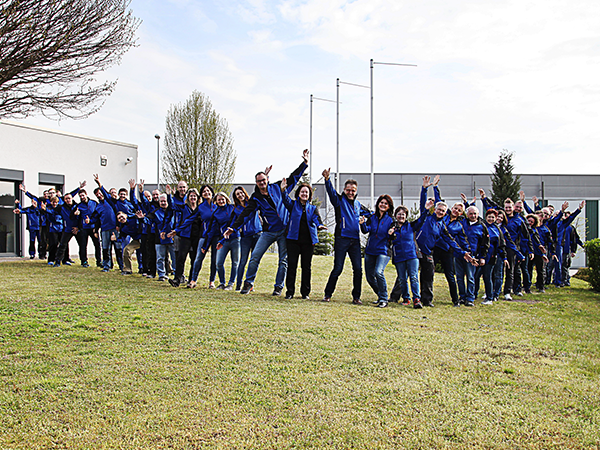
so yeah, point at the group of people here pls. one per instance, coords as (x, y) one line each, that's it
(165, 229)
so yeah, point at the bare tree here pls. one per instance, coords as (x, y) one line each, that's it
(50, 51)
(198, 145)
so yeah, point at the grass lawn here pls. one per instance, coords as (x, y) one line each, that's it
(92, 360)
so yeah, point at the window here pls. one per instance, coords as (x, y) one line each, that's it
(9, 242)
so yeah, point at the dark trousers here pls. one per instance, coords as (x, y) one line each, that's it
(303, 251)
(82, 240)
(53, 240)
(185, 244)
(62, 254)
(522, 272)
(566, 265)
(33, 235)
(538, 262)
(341, 247)
(426, 279)
(43, 244)
(446, 260)
(510, 272)
(149, 253)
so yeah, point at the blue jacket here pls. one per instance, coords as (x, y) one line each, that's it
(430, 231)
(296, 209)
(274, 213)
(178, 205)
(251, 225)
(347, 213)
(205, 214)
(163, 221)
(404, 244)
(86, 209)
(218, 224)
(188, 215)
(33, 217)
(457, 231)
(133, 228)
(54, 219)
(379, 237)
(478, 238)
(497, 247)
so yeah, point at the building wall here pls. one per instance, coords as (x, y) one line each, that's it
(50, 156)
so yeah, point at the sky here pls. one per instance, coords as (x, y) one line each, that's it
(491, 75)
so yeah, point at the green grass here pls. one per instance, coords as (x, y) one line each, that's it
(91, 360)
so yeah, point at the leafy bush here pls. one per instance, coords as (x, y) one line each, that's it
(592, 248)
(325, 244)
(583, 274)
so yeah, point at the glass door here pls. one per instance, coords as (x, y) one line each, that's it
(9, 243)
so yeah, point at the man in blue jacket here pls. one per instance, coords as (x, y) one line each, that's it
(267, 198)
(347, 239)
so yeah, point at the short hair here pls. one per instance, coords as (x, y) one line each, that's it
(122, 190)
(491, 211)
(260, 173)
(401, 208)
(236, 201)
(161, 196)
(121, 213)
(473, 208)
(350, 181)
(509, 201)
(536, 220)
(441, 204)
(459, 204)
(310, 191)
(387, 198)
(97, 190)
(82, 191)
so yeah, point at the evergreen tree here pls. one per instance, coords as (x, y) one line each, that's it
(504, 183)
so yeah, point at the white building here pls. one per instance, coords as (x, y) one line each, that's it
(41, 158)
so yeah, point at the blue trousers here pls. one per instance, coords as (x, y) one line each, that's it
(247, 244)
(231, 245)
(341, 247)
(409, 270)
(266, 239)
(375, 272)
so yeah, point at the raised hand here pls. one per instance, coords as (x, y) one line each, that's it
(22, 187)
(305, 155)
(283, 184)
(268, 169)
(167, 189)
(132, 183)
(565, 206)
(481, 193)
(96, 179)
(522, 195)
(535, 200)
(429, 204)
(582, 205)
(463, 197)
(139, 214)
(326, 173)
(426, 181)
(82, 184)
(436, 180)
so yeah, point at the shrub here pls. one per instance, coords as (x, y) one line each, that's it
(592, 248)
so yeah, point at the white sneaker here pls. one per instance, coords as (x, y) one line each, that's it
(483, 297)
(520, 294)
(487, 302)
(507, 297)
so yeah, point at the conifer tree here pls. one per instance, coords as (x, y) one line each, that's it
(504, 183)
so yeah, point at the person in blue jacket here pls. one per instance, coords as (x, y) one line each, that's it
(217, 225)
(250, 231)
(305, 222)
(405, 256)
(496, 250)
(199, 234)
(164, 221)
(432, 228)
(55, 227)
(268, 199)
(184, 231)
(571, 242)
(105, 212)
(478, 241)
(377, 250)
(87, 230)
(69, 213)
(33, 224)
(347, 239)
(540, 257)
(562, 223)
(130, 226)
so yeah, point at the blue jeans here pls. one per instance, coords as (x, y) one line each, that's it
(487, 273)
(229, 245)
(247, 244)
(406, 270)
(497, 277)
(161, 255)
(465, 270)
(375, 272)
(342, 246)
(197, 267)
(266, 239)
(33, 235)
(107, 244)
